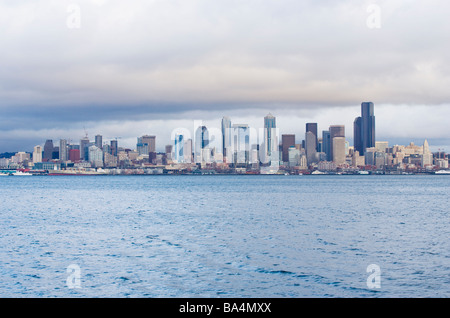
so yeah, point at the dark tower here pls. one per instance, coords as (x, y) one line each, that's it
(367, 126)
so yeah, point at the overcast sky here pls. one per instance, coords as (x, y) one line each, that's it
(128, 68)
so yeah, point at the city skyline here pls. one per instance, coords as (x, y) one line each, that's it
(296, 128)
(239, 148)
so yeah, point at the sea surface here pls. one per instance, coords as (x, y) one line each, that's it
(225, 236)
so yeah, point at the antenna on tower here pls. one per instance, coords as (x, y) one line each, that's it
(85, 132)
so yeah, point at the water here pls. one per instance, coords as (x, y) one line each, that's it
(224, 236)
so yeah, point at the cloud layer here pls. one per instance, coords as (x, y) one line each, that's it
(143, 60)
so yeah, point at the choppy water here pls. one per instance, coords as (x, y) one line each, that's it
(225, 236)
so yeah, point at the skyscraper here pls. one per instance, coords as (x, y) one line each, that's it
(335, 131)
(286, 142)
(114, 147)
(179, 148)
(84, 148)
(201, 142)
(241, 144)
(312, 127)
(367, 125)
(37, 154)
(310, 147)
(326, 144)
(226, 137)
(63, 150)
(48, 150)
(339, 150)
(357, 138)
(99, 141)
(270, 143)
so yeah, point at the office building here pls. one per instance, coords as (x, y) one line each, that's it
(312, 127)
(179, 148)
(287, 141)
(201, 142)
(99, 141)
(326, 144)
(310, 147)
(270, 142)
(339, 150)
(335, 131)
(226, 138)
(37, 154)
(84, 149)
(366, 125)
(63, 151)
(241, 144)
(48, 150)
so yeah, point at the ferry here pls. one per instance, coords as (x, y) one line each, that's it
(20, 173)
(442, 172)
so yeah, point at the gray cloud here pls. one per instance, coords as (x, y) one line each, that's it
(139, 60)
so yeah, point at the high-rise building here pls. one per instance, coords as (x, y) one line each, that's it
(241, 144)
(114, 147)
(270, 142)
(99, 141)
(84, 148)
(427, 157)
(179, 148)
(367, 126)
(37, 154)
(187, 152)
(339, 150)
(48, 150)
(63, 150)
(95, 156)
(74, 155)
(326, 144)
(146, 144)
(226, 138)
(357, 138)
(201, 142)
(312, 127)
(335, 131)
(310, 147)
(286, 142)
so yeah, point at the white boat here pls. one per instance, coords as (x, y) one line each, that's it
(363, 172)
(442, 172)
(20, 173)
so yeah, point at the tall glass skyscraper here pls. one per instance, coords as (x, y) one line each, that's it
(312, 127)
(367, 125)
(270, 143)
(364, 128)
(179, 148)
(226, 138)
